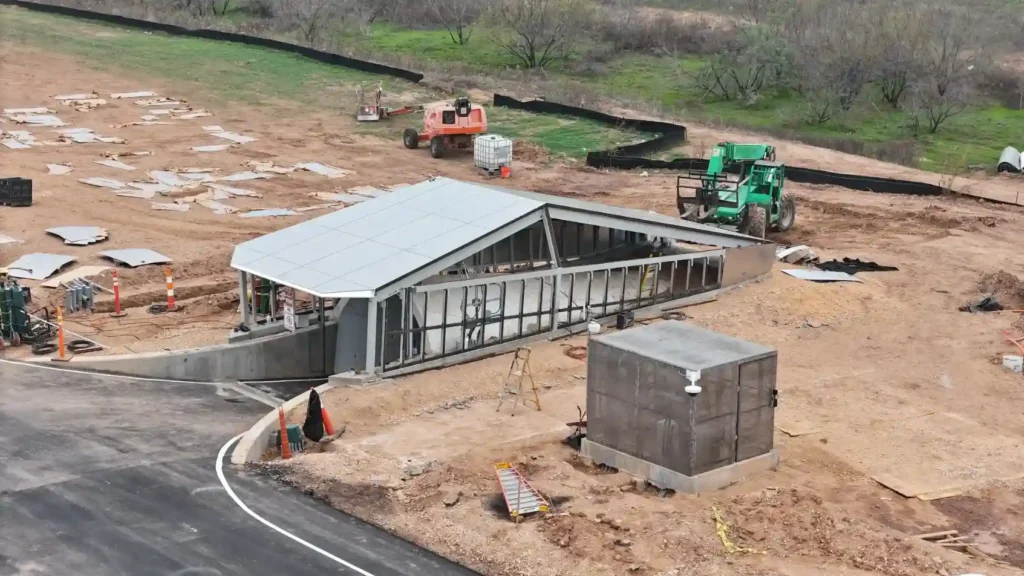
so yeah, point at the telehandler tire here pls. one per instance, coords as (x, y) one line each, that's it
(787, 213)
(754, 222)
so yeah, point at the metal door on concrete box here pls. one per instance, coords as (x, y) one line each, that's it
(755, 411)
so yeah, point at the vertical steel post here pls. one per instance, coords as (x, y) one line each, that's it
(243, 296)
(371, 336)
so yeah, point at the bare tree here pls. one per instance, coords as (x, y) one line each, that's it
(311, 18)
(457, 17)
(935, 109)
(539, 32)
(956, 48)
(747, 68)
(901, 39)
(204, 8)
(758, 11)
(950, 66)
(834, 59)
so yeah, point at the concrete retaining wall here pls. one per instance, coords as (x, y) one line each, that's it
(281, 356)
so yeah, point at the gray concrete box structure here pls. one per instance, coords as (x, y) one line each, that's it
(641, 420)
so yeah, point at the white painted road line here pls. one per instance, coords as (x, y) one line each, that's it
(267, 523)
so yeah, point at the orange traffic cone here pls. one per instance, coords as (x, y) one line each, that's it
(286, 449)
(328, 426)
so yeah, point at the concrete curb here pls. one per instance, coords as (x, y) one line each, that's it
(256, 440)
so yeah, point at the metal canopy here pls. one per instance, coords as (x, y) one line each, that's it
(38, 266)
(135, 257)
(402, 236)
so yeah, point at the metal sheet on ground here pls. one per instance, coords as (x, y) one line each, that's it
(79, 235)
(135, 257)
(821, 275)
(38, 265)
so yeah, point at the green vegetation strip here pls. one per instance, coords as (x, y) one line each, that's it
(975, 137)
(232, 72)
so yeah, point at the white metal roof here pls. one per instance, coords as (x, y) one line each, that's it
(353, 252)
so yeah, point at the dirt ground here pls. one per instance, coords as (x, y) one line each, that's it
(884, 386)
(883, 383)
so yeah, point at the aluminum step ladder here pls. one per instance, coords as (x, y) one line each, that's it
(520, 497)
(513, 384)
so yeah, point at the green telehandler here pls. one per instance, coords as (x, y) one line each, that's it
(752, 200)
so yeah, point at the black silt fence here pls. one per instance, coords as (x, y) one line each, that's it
(668, 136)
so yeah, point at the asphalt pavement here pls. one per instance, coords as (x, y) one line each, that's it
(103, 475)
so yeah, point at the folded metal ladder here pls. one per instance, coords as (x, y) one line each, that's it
(520, 497)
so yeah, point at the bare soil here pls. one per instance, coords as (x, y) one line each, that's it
(884, 384)
(892, 386)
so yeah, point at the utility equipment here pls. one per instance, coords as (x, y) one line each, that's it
(448, 126)
(375, 111)
(742, 187)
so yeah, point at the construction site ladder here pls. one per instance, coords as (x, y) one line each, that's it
(520, 497)
(513, 384)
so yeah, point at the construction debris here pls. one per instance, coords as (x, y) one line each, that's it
(144, 194)
(115, 164)
(318, 207)
(139, 94)
(79, 235)
(152, 187)
(85, 104)
(135, 257)
(234, 191)
(339, 197)
(104, 183)
(1014, 363)
(83, 96)
(162, 101)
(211, 148)
(269, 166)
(236, 138)
(37, 120)
(368, 191)
(116, 155)
(171, 179)
(38, 266)
(76, 274)
(985, 304)
(243, 176)
(796, 255)
(171, 207)
(269, 213)
(19, 111)
(142, 123)
(323, 169)
(821, 275)
(8, 240)
(854, 265)
(59, 169)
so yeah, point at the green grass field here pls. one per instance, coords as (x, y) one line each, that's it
(229, 72)
(975, 137)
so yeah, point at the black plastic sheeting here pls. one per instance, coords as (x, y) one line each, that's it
(325, 57)
(669, 135)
